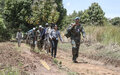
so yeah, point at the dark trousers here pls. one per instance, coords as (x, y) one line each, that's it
(75, 53)
(33, 43)
(75, 49)
(54, 47)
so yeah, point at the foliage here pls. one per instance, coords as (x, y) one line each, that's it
(48, 11)
(12, 71)
(115, 21)
(2, 6)
(4, 32)
(2, 25)
(62, 15)
(15, 12)
(94, 15)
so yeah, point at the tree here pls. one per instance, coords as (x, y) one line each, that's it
(2, 25)
(115, 21)
(62, 13)
(2, 2)
(48, 11)
(15, 13)
(96, 14)
(85, 17)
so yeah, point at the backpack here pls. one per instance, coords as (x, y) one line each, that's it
(68, 33)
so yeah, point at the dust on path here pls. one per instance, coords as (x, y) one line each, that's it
(38, 68)
(84, 67)
(10, 54)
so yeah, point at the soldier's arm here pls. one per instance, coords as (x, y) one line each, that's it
(83, 32)
(71, 27)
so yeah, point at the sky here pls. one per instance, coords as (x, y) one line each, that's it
(110, 7)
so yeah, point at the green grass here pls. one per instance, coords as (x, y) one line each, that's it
(72, 73)
(10, 71)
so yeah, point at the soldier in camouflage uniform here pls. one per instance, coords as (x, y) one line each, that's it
(33, 38)
(41, 36)
(75, 34)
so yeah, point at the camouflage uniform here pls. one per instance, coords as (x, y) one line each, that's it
(75, 39)
(33, 37)
(41, 36)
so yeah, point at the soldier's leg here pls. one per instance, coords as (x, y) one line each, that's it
(74, 48)
(73, 53)
(77, 43)
(77, 51)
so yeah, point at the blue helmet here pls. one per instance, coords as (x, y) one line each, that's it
(77, 18)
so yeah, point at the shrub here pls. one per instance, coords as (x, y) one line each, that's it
(4, 33)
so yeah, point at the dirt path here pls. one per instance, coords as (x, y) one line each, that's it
(32, 64)
(11, 55)
(85, 66)
(37, 68)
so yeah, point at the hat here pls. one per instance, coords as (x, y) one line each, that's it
(46, 24)
(77, 18)
(40, 26)
(33, 28)
(55, 25)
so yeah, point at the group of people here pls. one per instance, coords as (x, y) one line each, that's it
(47, 37)
(43, 37)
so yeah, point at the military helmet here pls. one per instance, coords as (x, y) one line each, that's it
(77, 18)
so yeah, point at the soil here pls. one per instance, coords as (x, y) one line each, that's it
(86, 66)
(11, 55)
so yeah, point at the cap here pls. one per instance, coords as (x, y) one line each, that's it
(46, 24)
(40, 26)
(33, 28)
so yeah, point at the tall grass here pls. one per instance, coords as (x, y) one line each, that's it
(104, 34)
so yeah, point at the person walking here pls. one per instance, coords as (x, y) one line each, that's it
(41, 36)
(33, 37)
(47, 38)
(55, 34)
(19, 37)
(75, 31)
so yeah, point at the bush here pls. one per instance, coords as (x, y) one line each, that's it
(115, 21)
(4, 33)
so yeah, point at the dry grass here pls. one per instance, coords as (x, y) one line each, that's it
(104, 34)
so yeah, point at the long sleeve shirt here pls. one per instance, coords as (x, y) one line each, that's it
(19, 35)
(56, 34)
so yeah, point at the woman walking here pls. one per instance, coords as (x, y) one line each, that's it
(55, 34)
